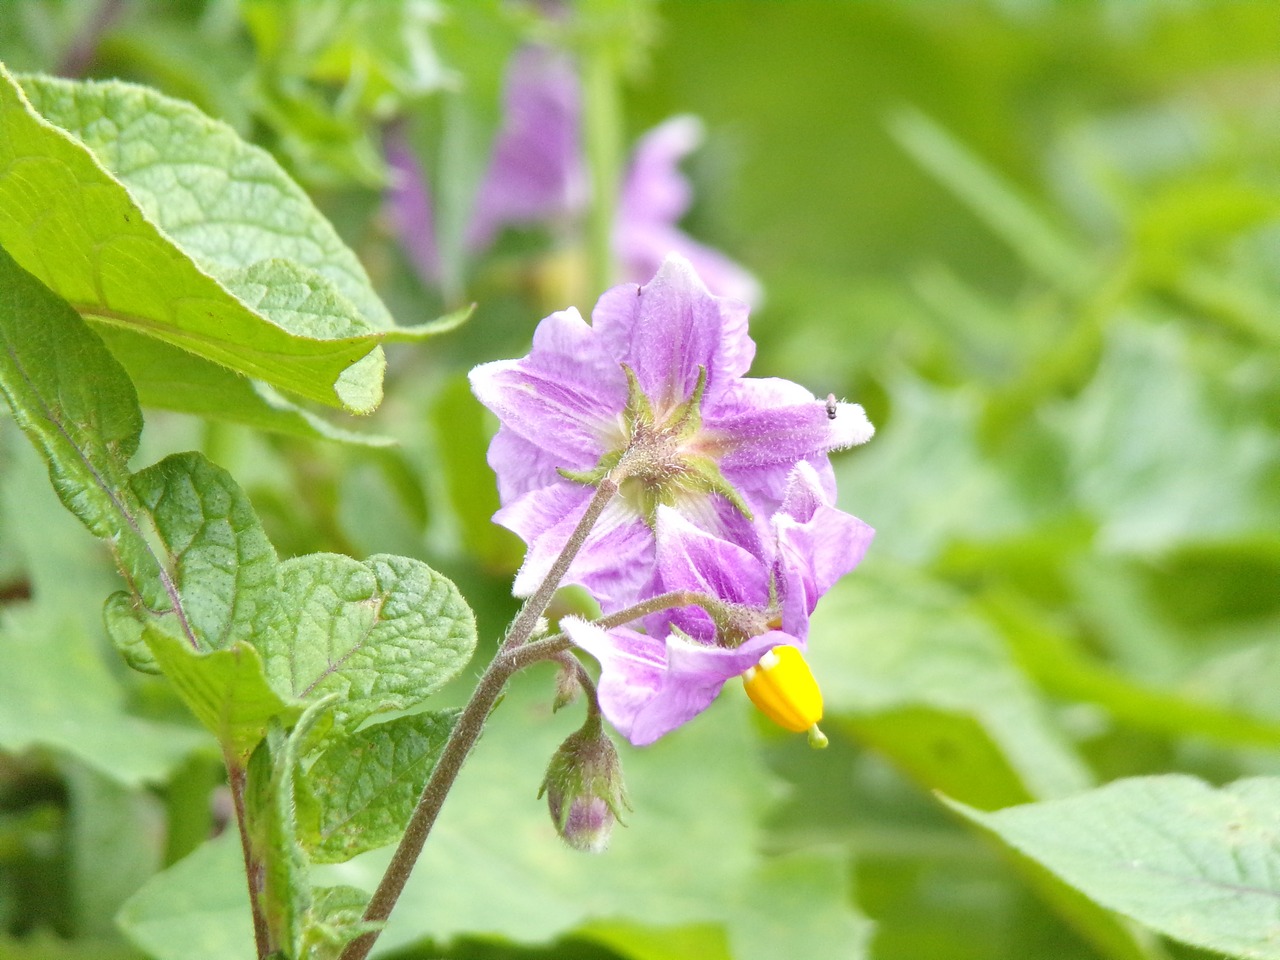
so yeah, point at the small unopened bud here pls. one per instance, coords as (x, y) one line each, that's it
(584, 788)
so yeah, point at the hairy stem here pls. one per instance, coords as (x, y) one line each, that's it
(536, 605)
(468, 728)
(253, 869)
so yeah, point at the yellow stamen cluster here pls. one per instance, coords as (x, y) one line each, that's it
(782, 686)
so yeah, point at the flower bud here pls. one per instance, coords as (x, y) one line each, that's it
(584, 788)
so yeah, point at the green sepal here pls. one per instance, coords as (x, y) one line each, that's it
(592, 477)
(686, 419)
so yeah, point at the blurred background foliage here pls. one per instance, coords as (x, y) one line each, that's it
(1038, 239)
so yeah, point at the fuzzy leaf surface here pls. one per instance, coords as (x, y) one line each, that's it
(167, 224)
(362, 789)
(227, 690)
(221, 560)
(384, 633)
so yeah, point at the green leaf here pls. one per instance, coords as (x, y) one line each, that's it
(117, 837)
(172, 379)
(1194, 862)
(1155, 459)
(56, 691)
(385, 633)
(198, 909)
(166, 223)
(227, 690)
(961, 496)
(221, 560)
(360, 791)
(336, 918)
(909, 666)
(797, 906)
(74, 402)
(270, 812)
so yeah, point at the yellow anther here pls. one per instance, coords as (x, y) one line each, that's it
(781, 685)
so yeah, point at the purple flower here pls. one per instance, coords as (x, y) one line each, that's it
(651, 683)
(655, 195)
(658, 379)
(537, 176)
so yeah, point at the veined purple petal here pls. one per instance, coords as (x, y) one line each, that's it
(648, 686)
(693, 559)
(520, 466)
(671, 326)
(536, 174)
(816, 543)
(616, 563)
(774, 424)
(689, 558)
(564, 397)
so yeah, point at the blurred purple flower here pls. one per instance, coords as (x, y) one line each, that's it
(537, 176)
(661, 368)
(655, 195)
(651, 683)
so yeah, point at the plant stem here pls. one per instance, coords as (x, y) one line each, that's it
(549, 647)
(236, 776)
(536, 605)
(602, 116)
(468, 728)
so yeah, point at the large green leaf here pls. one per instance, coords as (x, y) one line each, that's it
(77, 406)
(173, 379)
(71, 398)
(57, 692)
(385, 633)
(1195, 862)
(361, 790)
(166, 223)
(198, 909)
(1155, 458)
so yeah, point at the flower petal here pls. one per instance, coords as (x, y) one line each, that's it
(654, 188)
(536, 172)
(565, 397)
(615, 564)
(817, 544)
(689, 558)
(776, 421)
(520, 466)
(655, 195)
(671, 326)
(648, 686)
